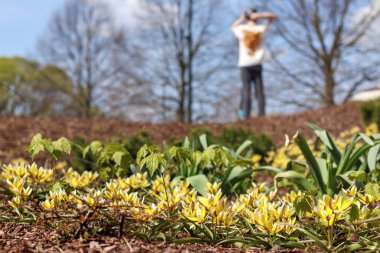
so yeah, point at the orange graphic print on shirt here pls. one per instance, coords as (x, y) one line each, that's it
(252, 40)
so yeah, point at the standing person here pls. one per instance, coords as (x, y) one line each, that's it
(251, 56)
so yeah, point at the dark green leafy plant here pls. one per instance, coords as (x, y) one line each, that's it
(335, 169)
(232, 137)
(370, 111)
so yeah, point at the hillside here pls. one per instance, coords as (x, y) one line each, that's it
(16, 132)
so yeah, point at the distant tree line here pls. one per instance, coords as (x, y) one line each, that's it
(178, 63)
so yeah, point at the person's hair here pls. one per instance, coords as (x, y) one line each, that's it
(250, 11)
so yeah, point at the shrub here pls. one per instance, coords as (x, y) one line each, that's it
(370, 111)
(134, 143)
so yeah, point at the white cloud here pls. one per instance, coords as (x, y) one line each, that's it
(373, 34)
(125, 11)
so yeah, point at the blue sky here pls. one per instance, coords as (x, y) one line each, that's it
(22, 22)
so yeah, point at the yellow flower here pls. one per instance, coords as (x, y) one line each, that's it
(372, 129)
(39, 175)
(366, 199)
(226, 218)
(256, 158)
(329, 210)
(211, 200)
(77, 181)
(138, 181)
(89, 200)
(17, 186)
(213, 188)
(17, 170)
(292, 196)
(129, 198)
(60, 165)
(15, 202)
(195, 212)
(48, 205)
(190, 196)
(161, 185)
(290, 226)
(147, 212)
(352, 191)
(265, 223)
(237, 207)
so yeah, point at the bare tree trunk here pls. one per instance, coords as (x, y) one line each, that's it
(329, 87)
(181, 114)
(190, 62)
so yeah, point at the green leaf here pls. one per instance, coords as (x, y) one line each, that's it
(236, 171)
(312, 162)
(144, 151)
(104, 173)
(208, 155)
(208, 232)
(36, 145)
(303, 204)
(203, 141)
(159, 227)
(373, 157)
(179, 154)
(327, 141)
(296, 178)
(153, 162)
(199, 182)
(232, 240)
(351, 155)
(292, 245)
(372, 189)
(322, 164)
(357, 176)
(354, 213)
(95, 148)
(354, 247)
(238, 174)
(122, 159)
(243, 146)
(63, 145)
(189, 240)
(314, 237)
(367, 139)
(269, 168)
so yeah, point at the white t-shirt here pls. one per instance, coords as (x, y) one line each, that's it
(251, 44)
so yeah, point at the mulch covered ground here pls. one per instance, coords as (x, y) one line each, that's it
(16, 132)
(35, 238)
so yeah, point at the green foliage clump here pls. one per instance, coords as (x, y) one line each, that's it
(193, 138)
(370, 111)
(134, 143)
(233, 137)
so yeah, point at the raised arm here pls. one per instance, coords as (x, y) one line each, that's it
(266, 15)
(238, 22)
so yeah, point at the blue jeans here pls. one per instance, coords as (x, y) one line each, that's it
(252, 75)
